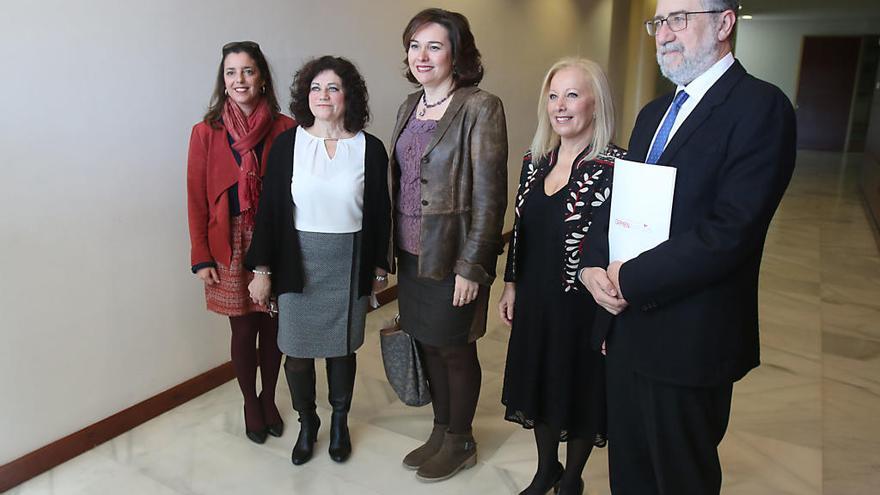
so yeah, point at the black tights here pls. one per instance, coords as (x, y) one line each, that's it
(295, 364)
(454, 376)
(577, 452)
(259, 410)
(298, 365)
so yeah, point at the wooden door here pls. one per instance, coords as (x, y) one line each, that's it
(825, 91)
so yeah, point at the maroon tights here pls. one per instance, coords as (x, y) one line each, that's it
(259, 410)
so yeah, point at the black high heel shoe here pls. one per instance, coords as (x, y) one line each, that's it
(308, 435)
(578, 490)
(553, 484)
(256, 436)
(276, 429)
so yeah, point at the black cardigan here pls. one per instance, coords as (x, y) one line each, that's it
(275, 242)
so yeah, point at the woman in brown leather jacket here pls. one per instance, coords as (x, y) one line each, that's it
(448, 176)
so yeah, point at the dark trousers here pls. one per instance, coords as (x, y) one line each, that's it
(663, 438)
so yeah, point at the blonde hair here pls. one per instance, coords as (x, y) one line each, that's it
(546, 139)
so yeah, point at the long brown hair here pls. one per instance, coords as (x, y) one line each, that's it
(218, 99)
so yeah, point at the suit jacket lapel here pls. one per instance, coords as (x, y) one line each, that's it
(458, 98)
(409, 105)
(640, 141)
(225, 172)
(716, 96)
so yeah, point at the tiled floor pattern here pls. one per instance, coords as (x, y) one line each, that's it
(804, 423)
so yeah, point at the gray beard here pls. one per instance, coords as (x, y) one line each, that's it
(692, 65)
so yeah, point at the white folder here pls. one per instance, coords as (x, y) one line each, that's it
(641, 208)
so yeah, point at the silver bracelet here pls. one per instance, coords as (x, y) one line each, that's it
(261, 272)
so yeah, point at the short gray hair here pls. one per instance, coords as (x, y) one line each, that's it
(722, 5)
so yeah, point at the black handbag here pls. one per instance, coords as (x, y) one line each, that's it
(403, 365)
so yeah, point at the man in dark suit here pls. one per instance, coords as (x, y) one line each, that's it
(686, 324)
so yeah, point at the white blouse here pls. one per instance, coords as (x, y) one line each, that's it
(328, 193)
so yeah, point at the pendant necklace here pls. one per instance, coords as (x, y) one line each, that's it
(431, 105)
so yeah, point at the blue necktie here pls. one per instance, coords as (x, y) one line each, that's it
(666, 127)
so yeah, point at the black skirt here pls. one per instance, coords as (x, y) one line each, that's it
(426, 310)
(552, 375)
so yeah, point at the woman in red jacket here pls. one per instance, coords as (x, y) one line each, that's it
(227, 156)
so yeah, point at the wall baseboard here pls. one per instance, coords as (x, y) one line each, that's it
(64, 449)
(384, 297)
(60, 451)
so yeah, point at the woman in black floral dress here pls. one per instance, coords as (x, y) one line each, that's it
(554, 381)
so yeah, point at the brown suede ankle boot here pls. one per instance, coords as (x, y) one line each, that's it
(417, 457)
(459, 451)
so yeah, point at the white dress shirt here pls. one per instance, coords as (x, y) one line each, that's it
(328, 193)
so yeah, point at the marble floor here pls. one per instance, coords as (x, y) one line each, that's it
(805, 422)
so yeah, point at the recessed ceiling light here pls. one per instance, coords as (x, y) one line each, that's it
(746, 17)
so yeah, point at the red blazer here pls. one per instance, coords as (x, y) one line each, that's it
(211, 170)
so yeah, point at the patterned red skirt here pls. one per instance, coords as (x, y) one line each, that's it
(231, 297)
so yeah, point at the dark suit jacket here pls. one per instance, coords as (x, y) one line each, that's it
(693, 314)
(275, 242)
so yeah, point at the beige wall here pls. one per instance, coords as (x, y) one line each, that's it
(633, 70)
(771, 49)
(97, 308)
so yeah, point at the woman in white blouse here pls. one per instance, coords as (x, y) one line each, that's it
(321, 240)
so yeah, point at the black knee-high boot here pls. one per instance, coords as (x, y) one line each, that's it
(340, 381)
(301, 380)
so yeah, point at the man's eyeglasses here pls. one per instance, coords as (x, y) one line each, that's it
(676, 21)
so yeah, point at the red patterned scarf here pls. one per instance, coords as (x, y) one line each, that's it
(247, 132)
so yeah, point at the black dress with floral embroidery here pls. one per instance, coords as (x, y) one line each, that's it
(552, 375)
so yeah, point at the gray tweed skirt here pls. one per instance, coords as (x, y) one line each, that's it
(327, 319)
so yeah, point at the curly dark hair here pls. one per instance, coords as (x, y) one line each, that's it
(467, 66)
(218, 99)
(357, 109)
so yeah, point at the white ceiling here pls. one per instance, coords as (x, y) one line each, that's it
(811, 9)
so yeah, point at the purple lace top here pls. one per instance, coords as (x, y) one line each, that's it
(413, 140)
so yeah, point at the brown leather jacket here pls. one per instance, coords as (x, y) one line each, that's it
(464, 186)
